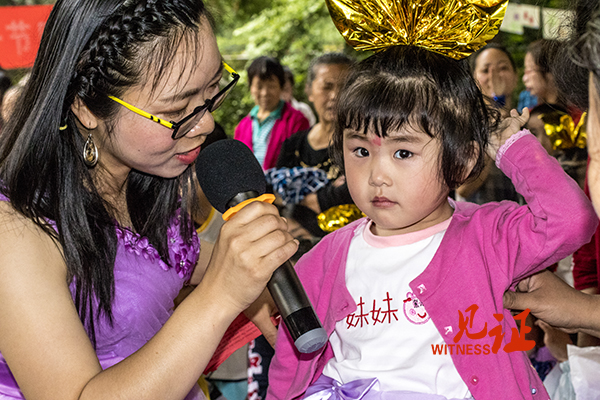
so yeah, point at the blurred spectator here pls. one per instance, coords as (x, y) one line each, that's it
(10, 97)
(526, 99)
(5, 84)
(310, 148)
(272, 120)
(538, 77)
(495, 72)
(287, 95)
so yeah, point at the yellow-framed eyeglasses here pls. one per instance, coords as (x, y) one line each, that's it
(181, 128)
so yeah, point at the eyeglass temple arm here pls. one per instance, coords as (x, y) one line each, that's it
(142, 112)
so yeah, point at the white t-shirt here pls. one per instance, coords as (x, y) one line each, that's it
(390, 336)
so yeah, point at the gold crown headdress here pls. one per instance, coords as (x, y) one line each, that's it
(454, 28)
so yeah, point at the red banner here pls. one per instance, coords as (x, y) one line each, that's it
(21, 29)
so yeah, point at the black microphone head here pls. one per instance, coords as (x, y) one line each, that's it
(226, 168)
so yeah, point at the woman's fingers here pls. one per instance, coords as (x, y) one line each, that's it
(252, 244)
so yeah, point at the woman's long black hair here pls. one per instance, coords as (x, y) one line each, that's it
(91, 49)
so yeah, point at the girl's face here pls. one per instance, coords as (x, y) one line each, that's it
(395, 180)
(494, 73)
(534, 79)
(325, 88)
(146, 146)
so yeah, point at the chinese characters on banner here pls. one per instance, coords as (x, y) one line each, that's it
(21, 29)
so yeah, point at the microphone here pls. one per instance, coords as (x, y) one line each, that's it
(231, 177)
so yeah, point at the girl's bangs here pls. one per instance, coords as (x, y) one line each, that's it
(382, 106)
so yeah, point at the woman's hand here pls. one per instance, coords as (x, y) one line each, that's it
(507, 127)
(553, 301)
(251, 245)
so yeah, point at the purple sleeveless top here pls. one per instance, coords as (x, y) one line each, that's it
(145, 287)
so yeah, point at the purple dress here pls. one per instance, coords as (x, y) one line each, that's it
(145, 287)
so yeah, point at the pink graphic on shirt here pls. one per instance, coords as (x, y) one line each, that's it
(414, 310)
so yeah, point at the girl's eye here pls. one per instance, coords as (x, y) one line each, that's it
(361, 152)
(402, 154)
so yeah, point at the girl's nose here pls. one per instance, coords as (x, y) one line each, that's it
(379, 175)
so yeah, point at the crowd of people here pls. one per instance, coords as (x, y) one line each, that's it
(120, 279)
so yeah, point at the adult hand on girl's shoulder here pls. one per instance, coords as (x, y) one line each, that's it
(506, 128)
(550, 299)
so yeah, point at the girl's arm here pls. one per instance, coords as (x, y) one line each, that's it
(49, 352)
(557, 219)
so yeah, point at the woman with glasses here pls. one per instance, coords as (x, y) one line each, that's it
(96, 238)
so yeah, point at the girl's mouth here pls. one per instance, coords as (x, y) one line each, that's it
(382, 202)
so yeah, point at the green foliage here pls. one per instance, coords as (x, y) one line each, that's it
(293, 31)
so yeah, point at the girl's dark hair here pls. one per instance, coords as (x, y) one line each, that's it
(326, 59)
(493, 45)
(91, 49)
(264, 68)
(429, 92)
(579, 55)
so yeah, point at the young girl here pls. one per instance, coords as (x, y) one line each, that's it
(411, 295)
(96, 237)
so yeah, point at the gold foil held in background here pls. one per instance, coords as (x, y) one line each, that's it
(454, 28)
(338, 216)
(562, 132)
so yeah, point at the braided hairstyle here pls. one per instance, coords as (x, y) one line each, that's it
(91, 49)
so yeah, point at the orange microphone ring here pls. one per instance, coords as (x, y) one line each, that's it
(265, 198)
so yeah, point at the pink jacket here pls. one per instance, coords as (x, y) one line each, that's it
(486, 250)
(291, 121)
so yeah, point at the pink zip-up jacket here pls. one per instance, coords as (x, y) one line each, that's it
(486, 250)
(291, 121)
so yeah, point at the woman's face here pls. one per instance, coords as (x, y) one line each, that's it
(534, 79)
(266, 93)
(593, 143)
(324, 89)
(494, 73)
(141, 144)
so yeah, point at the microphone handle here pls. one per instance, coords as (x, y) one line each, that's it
(288, 293)
(296, 310)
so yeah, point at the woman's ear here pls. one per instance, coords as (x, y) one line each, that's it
(86, 118)
(308, 92)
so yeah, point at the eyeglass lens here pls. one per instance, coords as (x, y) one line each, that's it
(192, 122)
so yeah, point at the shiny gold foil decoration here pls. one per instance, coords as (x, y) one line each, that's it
(562, 131)
(454, 28)
(338, 216)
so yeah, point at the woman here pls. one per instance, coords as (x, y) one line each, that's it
(310, 148)
(496, 74)
(95, 234)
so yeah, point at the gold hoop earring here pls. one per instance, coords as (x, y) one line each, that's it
(90, 152)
